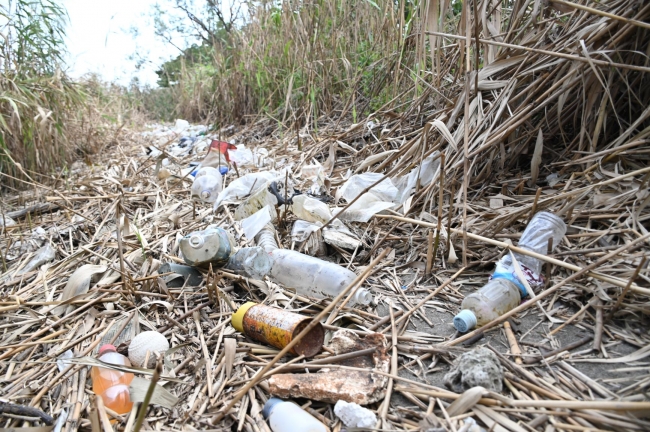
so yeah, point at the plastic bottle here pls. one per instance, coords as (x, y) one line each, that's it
(286, 416)
(111, 385)
(308, 275)
(207, 185)
(504, 291)
(211, 245)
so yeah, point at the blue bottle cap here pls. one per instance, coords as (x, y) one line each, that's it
(269, 405)
(465, 321)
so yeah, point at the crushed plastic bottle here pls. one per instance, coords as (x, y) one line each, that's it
(308, 275)
(504, 291)
(111, 385)
(211, 245)
(207, 185)
(286, 416)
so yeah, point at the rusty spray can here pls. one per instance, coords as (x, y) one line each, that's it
(277, 328)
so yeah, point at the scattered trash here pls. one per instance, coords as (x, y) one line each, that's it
(182, 275)
(272, 195)
(286, 416)
(362, 387)
(254, 223)
(479, 367)
(244, 186)
(111, 385)
(277, 328)
(353, 415)
(145, 344)
(506, 287)
(241, 156)
(218, 156)
(309, 238)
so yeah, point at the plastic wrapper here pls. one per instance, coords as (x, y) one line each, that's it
(304, 231)
(364, 208)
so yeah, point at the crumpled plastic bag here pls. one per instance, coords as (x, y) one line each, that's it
(311, 209)
(426, 172)
(384, 191)
(364, 208)
(242, 156)
(244, 186)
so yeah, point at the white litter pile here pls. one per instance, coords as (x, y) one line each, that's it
(261, 184)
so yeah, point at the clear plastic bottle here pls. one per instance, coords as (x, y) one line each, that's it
(490, 302)
(286, 416)
(504, 291)
(308, 275)
(207, 185)
(112, 386)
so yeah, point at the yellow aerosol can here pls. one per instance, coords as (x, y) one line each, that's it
(278, 327)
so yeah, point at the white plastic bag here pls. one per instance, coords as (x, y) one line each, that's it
(242, 156)
(384, 191)
(246, 185)
(425, 173)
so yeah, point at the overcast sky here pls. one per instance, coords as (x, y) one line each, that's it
(99, 40)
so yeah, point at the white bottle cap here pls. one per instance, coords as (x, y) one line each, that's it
(363, 296)
(465, 321)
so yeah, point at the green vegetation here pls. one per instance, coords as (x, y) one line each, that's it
(292, 60)
(36, 98)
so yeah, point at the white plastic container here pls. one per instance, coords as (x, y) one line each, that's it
(286, 416)
(505, 291)
(207, 185)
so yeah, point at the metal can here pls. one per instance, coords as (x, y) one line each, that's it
(213, 245)
(278, 327)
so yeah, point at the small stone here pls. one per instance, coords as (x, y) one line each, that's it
(479, 367)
